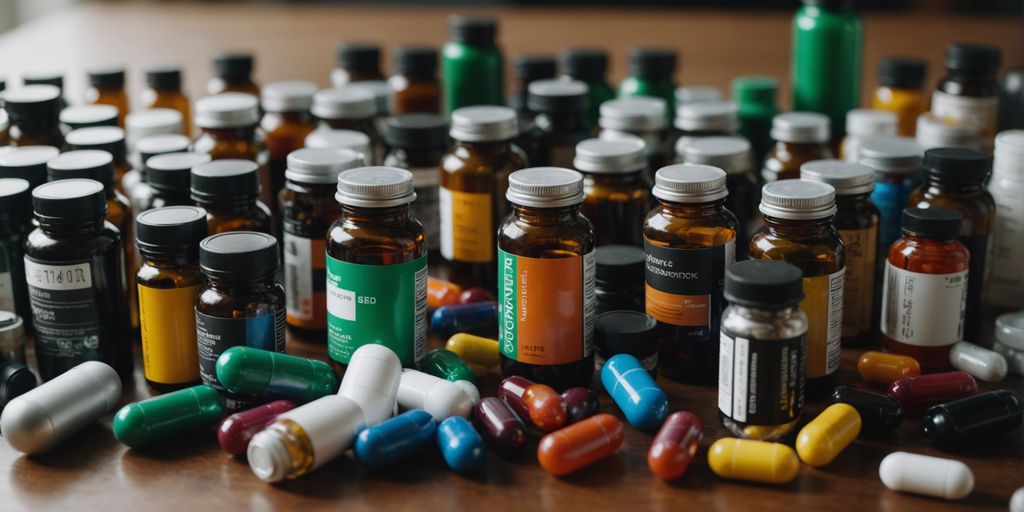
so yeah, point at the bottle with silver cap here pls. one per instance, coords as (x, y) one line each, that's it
(862, 123)
(1007, 188)
(471, 198)
(229, 191)
(705, 119)
(15, 225)
(561, 121)
(285, 124)
(163, 90)
(800, 229)
(351, 108)
(616, 197)
(642, 117)
(697, 94)
(308, 209)
(857, 220)
(546, 247)
(689, 241)
(229, 125)
(799, 137)
(897, 165)
(326, 138)
(376, 267)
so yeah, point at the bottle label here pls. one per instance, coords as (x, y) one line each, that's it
(467, 234)
(926, 310)
(969, 111)
(684, 286)
(425, 207)
(382, 304)
(168, 326)
(216, 334)
(546, 308)
(64, 311)
(305, 279)
(823, 303)
(859, 284)
(1006, 287)
(761, 382)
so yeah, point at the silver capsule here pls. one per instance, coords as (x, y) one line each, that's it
(980, 362)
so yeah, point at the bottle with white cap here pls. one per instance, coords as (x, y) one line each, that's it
(697, 94)
(897, 164)
(351, 108)
(689, 241)
(862, 123)
(1007, 188)
(799, 137)
(934, 132)
(561, 122)
(705, 119)
(639, 116)
(285, 123)
(734, 156)
(326, 138)
(228, 124)
(616, 196)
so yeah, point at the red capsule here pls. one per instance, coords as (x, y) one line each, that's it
(235, 432)
(580, 403)
(580, 444)
(511, 391)
(545, 406)
(674, 446)
(499, 426)
(477, 294)
(915, 393)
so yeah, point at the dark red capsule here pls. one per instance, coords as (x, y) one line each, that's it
(915, 393)
(511, 390)
(675, 445)
(476, 294)
(580, 403)
(499, 426)
(235, 432)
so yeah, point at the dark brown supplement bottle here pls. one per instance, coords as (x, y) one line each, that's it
(589, 65)
(689, 242)
(705, 119)
(87, 116)
(33, 114)
(75, 276)
(357, 62)
(616, 199)
(15, 225)
(529, 69)
(106, 87)
(232, 73)
(164, 91)
(104, 138)
(229, 191)
(414, 86)
(170, 179)
(47, 77)
(418, 143)
(135, 181)
(546, 301)
(561, 122)
(286, 123)
(241, 304)
(141, 124)
(27, 163)
(229, 124)
(351, 108)
(969, 93)
(642, 117)
(799, 138)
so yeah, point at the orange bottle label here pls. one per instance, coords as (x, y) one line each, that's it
(305, 281)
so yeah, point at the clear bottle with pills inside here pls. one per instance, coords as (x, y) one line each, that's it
(33, 114)
(418, 143)
(106, 87)
(285, 124)
(969, 92)
(414, 86)
(616, 197)
(170, 179)
(351, 108)
(901, 91)
(561, 121)
(163, 90)
(799, 138)
(732, 155)
(232, 72)
(229, 191)
(642, 117)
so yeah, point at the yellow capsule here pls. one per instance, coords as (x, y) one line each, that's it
(821, 440)
(475, 350)
(757, 461)
(884, 368)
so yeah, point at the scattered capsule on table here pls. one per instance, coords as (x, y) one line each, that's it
(447, 365)
(980, 362)
(371, 381)
(878, 412)
(930, 476)
(477, 351)
(500, 426)
(580, 403)
(919, 392)
(460, 445)
(169, 415)
(57, 409)
(476, 294)
(235, 432)
(511, 390)
(386, 443)
(884, 368)
(826, 436)
(476, 318)
(545, 406)
(442, 293)
(579, 445)
(271, 375)
(633, 389)
(978, 418)
(675, 445)
(439, 397)
(756, 461)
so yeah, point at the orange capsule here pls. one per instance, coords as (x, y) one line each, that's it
(580, 444)
(675, 445)
(545, 407)
(884, 368)
(442, 293)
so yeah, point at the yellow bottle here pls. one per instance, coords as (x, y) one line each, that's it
(478, 352)
(821, 440)
(757, 461)
(900, 91)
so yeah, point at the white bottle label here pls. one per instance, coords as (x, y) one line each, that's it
(969, 111)
(1006, 287)
(925, 310)
(298, 276)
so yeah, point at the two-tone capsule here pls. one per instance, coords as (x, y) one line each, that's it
(447, 365)
(481, 354)
(826, 436)
(919, 392)
(633, 389)
(371, 381)
(169, 415)
(460, 445)
(756, 461)
(271, 375)
(499, 425)
(675, 445)
(235, 432)
(539, 403)
(878, 412)
(441, 398)
(580, 403)
(476, 318)
(978, 418)
(384, 444)
(883, 368)
(930, 476)
(980, 362)
(579, 445)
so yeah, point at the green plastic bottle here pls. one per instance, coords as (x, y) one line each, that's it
(755, 96)
(471, 63)
(651, 72)
(589, 65)
(828, 43)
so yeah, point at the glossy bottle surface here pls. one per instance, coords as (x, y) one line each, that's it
(580, 444)
(675, 445)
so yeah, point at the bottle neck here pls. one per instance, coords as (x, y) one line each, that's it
(249, 284)
(691, 210)
(809, 228)
(545, 216)
(170, 258)
(65, 228)
(853, 201)
(487, 149)
(228, 204)
(564, 122)
(245, 133)
(956, 188)
(769, 313)
(913, 239)
(395, 215)
(615, 179)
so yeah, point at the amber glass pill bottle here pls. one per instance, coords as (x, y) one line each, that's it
(27, 163)
(546, 265)
(900, 91)
(638, 116)
(232, 73)
(286, 122)
(800, 229)
(705, 119)
(561, 122)
(15, 225)
(732, 155)
(689, 242)
(615, 195)
(357, 62)
(799, 138)
(229, 192)
(163, 90)
(33, 114)
(106, 87)
(170, 178)
(104, 138)
(417, 143)
(969, 93)
(351, 108)
(229, 129)
(414, 86)
(168, 282)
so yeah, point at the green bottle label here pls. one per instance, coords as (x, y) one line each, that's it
(382, 304)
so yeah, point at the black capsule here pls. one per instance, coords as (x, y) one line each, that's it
(972, 419)
(878, 412)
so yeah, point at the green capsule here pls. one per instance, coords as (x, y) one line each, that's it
(273, 376)
(158, 418)
(445, 364)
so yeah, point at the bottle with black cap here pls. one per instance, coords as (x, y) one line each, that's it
(168, 281)
(229, 190)
(106, 87)
(285, 124)
(969, 93)
(163, 90)
(241, 303)
(135, 181)
(414, 85)
(619, 279)
(529, 68)
(626, 332)
(560, 122)
(74, 269)
(170, 178)
(229, 125)
(799, 137)
(104, 138)
(652, 73)
(926, 287)
(956, 179)
(27, 163)
(418, 143)
(357, 62)
(87, 116)
(471, 64)
(901, 91)
(33, 113)
(590, 66)
(232, 72)
(15, 380)
(763, 350)
(46, 77)
(617, 197)
(15, 225)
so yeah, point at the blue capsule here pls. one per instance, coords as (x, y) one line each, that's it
(381, 445)
(460, 444)
(476, 318)
(634, 391)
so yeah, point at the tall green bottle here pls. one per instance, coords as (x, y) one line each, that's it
(471, 63)
(755, 97)
(589, 65)
(828, 42)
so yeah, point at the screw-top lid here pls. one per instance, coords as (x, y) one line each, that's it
(15, 380)
(72, 200)
(161, 145)
(44, 77)
(340, 139)
(416, 61)
(637, 113)
(288, 96)
(164, 78)
(689, 183)
(717, 116)
(107, 78)
(104, 138)
(653, 63)
(473, 30)
(557, 96)
(934, 132)
(15, 195)
(697, 94)
(42, 101)
(973, 58)
(171, 227)
(155, 121)
(375, 187)
(27, 162)
(755, 89)
(535, 67)
(764, 284)
(88, 116)
(731, 154)
(619, 265)
(243, 254)
(545, 187)
(902, 72)
(937, 223)
(890, 155)
(798, 200)
(604, 156)
(91, 164)
(417, 132)
(868, 122)
(381, 94)
(358, 55)
(227, 110)
(585, 64)
(233, 65)
(847, 178)
(1009, 154)
(625, 331)
(225, 179)
(320, 166)
(957, 165)
(345, 103)
(800, 127)
(172, 173)
(484, 123)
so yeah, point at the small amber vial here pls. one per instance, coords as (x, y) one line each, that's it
(33, 113)
(414, 86)
(286, 122)
(546, 265)
(106, 87)
(616, 199)
(164, 91)
(229, 191)
(639, 116)
(170, 179)
(104, 138)
(689, 241)
(376, 267)
(418, 143)
(357, 62)
(561, 122)
(799, 138)
(800, 229)
(351, 108)
(232, 73)
(969, 92)
(229, 129)
(900, 91)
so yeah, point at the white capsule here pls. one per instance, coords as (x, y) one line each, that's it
(1014, 357)
(439, 397)
(980, 362)
(371, 381)
(1017, 501)
(470, 389)
(931, 476)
